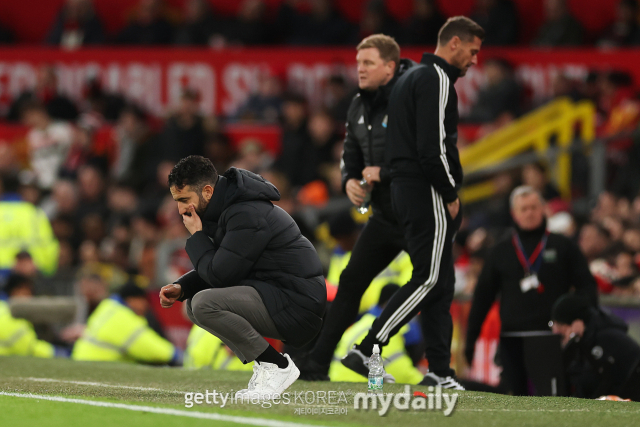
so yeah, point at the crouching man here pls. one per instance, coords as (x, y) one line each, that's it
(600, 358)
(254, 274)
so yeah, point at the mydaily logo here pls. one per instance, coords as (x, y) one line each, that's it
(335, 401)
(435, 399)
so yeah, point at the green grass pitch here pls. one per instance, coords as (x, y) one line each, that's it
(139, 396)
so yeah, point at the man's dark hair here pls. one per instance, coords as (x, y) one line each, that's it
(570, 307)
(17, 281)
(131, 290)
(194, 171)
(466, 29)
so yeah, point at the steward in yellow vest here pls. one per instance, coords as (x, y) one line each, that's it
(396, 360)
(205, 350)
(17, 336)
(25, 227)
(117, 331)
(398, 271)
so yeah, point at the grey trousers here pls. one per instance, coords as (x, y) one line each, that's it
(237, 316)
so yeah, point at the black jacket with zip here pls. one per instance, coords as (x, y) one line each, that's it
(423, 126)
(365, 139)
(564, 268)
(247, 241)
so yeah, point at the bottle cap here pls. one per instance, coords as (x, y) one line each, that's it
(376, 349)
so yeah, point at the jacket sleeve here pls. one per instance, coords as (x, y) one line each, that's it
(385, 174)
(582, 280)
(431, 92)
(191, 283)
(247, 235)
(45, 247)
(352, 159)
(484, 296)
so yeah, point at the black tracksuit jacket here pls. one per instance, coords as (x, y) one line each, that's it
(247, 241)
(422, 142)
(364, 142)
(564, 268)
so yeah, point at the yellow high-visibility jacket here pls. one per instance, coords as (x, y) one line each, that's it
(398, 272)
(115, 333)
(17, 337)
(205, 350)
(26, 227)
(396, 360)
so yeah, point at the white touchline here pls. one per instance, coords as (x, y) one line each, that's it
(95, 384)
(263, 422)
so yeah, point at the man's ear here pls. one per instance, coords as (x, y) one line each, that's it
(207, 192)
(454, 43)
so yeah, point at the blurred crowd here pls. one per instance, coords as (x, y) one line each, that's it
(502, 97)
(320, 22)
(91, 175)
(98, 167)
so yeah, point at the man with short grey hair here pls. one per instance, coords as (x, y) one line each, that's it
(530, 270)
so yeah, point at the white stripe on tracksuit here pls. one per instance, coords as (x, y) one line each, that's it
(440, 225)
(436, 256)
(444, 98)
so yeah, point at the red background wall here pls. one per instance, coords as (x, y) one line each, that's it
(31, 19)
(155, 77)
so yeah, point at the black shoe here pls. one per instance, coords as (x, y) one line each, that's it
(310, 370)
(359, 363)
(450, 382)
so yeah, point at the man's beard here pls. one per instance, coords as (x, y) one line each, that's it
(202, 205)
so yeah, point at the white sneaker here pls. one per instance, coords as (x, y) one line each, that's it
(272, 381)
(445, 382)
(252, 381)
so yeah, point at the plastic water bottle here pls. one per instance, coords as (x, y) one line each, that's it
(376, 369)
(364, 207)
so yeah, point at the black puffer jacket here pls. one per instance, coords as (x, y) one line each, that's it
(247, 241)
(605, 360)
(364, 143)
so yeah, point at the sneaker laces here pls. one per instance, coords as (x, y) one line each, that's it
(256, 372)
(263, 377)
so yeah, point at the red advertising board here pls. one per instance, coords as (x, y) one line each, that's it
(155, 77)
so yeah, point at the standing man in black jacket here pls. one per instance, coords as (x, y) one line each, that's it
(255, 275)
(425, 176)
(530, 270)
(381, 240)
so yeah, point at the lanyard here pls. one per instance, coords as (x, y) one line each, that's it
(534, 262)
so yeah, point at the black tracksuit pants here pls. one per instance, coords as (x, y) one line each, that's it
(378, 244)
(429, 231)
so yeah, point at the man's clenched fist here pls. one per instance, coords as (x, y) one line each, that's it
(169, 294)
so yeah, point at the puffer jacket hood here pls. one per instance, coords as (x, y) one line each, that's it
(248, 186)
(235, 186)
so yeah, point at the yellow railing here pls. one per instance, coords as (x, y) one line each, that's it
(532, 132)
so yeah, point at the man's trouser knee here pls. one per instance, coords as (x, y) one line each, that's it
(237, 316)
